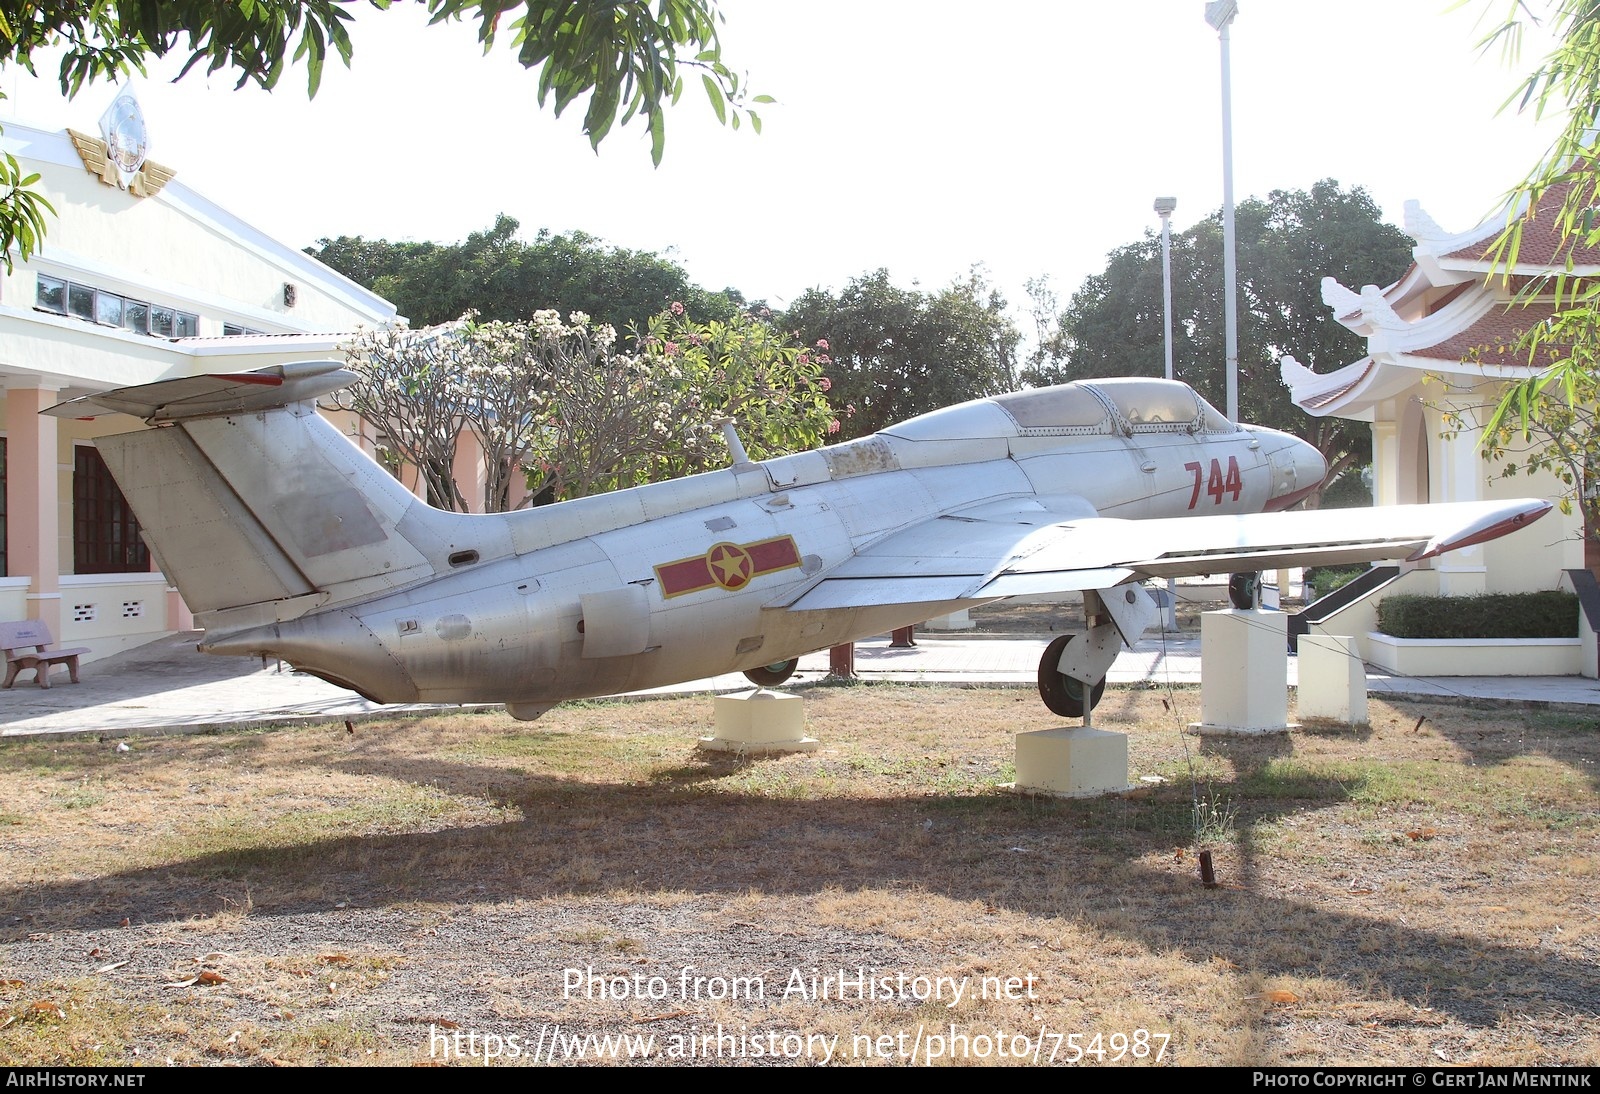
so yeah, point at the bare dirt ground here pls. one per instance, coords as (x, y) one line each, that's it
(1421, 891)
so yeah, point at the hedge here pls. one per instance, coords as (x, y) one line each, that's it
(1497, 615)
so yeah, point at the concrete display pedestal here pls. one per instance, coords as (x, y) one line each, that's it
(1244, 673)
(759, 721)
(1333, 681)
(1071, 762)
(955, 621)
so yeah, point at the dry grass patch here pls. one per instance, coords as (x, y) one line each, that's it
(1418, 888)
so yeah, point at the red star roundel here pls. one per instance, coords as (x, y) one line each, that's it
(731, 565)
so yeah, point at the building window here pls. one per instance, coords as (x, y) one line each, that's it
(170, 323)
(232, 330)
(105, 534)
(112, 309)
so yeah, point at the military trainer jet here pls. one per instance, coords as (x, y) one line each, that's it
(285, 539)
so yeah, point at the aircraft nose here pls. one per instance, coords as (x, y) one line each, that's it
(1297, 471)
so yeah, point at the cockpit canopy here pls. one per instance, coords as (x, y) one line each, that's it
(1121, 405)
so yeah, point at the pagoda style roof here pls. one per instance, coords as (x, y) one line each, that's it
(1454, 311)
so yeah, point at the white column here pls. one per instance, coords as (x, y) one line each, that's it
(1462, 572)
(1386, 470)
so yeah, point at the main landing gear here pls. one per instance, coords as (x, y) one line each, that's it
(770, 676)
(1072, 671)
(1064, 694)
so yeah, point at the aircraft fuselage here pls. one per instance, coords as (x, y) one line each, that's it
(692, 578)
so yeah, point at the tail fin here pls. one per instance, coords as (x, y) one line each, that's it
(257, 508)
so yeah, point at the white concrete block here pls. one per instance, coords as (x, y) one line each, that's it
(759, 720)
(1332, 679)
(1072, 761)
(955, 621)
(1244, 672)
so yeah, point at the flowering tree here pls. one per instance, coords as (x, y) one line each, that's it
(412, 388)
(768, 384)
(595, 406)
(622, 419)
(562, 403)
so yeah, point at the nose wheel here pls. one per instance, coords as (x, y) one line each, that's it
(1064, 694)
(770, 676)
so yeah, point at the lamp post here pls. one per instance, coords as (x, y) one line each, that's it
(1220, 13)
(1164, 208)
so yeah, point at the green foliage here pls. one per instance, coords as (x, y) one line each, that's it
(1548, 614)
(575, 412)
(626, 418)
(1547, 423)
(1325, 579)
(624, 57)
(496, 275)
(22, 212)
(1547, 420)
(105, 39)
(1286, 244)
(627, 59)
(1348, 490)
(769, 385)
(897, 353)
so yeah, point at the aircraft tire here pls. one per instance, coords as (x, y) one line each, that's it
(770, 676)
(1062, 693)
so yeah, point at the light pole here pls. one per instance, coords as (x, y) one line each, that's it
(1164, 208)
(1220, 13)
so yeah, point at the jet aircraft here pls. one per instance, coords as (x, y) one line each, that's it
(285, 539)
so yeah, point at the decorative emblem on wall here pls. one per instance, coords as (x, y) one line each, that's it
(127, 140)
(119, 155)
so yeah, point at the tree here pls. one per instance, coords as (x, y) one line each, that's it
(744, 371)
(896, 353)
(495, 274)
(423, 389)
(626, 59)
(1286, 244)
(1548, 420)
(565, 405)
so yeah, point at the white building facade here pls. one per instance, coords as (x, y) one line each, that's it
(139, 279)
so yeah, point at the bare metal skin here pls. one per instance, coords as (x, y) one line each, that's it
(286, 539)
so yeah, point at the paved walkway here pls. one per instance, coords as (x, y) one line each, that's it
(168, 685)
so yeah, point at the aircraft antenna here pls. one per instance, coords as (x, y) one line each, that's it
(735, 446)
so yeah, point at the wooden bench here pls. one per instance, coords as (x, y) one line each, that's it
(27, 646)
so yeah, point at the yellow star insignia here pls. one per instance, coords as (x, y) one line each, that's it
(731, 565)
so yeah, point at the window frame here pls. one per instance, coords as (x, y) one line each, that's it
(91, 304)
(105, 532)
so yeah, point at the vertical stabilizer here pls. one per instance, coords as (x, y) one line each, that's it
(257, 508)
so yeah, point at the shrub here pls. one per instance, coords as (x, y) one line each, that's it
(1325, 579)
(1498, 615)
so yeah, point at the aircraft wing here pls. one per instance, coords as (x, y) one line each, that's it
(1019, 548)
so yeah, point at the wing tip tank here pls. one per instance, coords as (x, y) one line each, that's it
(1490, 527)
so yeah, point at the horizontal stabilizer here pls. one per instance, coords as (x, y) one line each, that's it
(214, 394)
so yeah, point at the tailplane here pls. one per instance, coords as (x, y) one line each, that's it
(256, 507)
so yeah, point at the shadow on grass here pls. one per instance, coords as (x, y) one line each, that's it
(681, 832)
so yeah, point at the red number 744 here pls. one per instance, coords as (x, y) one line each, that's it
(1216, 483)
